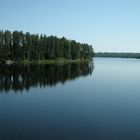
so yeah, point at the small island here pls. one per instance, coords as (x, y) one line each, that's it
(19, 47)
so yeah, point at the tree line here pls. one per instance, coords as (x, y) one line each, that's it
(117, 55)
(18, 45)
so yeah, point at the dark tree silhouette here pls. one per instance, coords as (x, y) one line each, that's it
(25, 46)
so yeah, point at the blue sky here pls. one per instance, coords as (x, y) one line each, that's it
(108, 25)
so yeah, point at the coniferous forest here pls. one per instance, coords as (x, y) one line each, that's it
(18, 46)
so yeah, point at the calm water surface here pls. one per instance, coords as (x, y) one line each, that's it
(99, 101)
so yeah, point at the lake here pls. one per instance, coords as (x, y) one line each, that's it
(89, 101)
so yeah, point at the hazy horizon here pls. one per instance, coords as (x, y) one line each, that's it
(109, 26)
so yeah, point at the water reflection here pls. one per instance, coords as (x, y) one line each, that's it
(20, 77)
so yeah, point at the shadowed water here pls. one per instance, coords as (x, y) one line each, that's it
(20, 77)
(71, 102)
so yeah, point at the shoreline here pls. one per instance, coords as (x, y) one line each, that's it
(59, 61)
(117, 55)
(64, 61)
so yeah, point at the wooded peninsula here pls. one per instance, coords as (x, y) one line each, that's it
(18, 46)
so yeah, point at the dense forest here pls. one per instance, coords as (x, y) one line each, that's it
(19, 46)
(20, 77)
(118, 55)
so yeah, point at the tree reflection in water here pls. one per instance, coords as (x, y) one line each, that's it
(20, 77)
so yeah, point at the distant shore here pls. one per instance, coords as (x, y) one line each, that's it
(117, 55)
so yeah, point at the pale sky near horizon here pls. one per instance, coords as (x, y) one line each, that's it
(108, 25)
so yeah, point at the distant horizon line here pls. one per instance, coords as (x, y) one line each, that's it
(114, 52)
